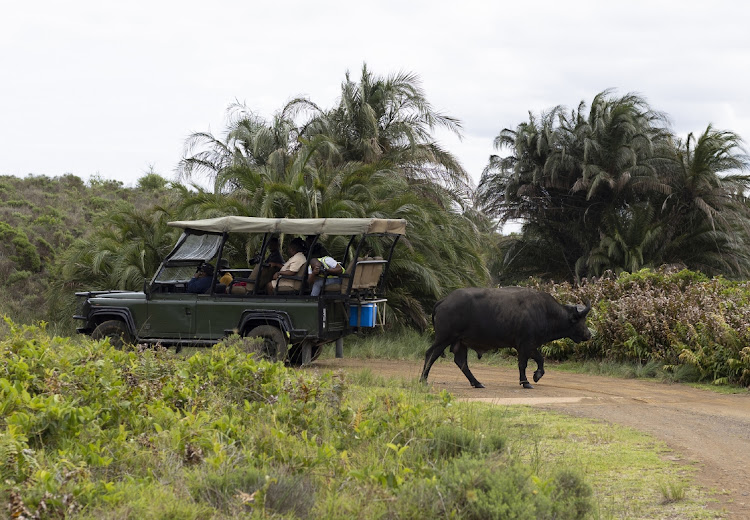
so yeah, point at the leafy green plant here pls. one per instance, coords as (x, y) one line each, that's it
(664, 319)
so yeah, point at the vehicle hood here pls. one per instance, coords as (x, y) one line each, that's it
(114, 295)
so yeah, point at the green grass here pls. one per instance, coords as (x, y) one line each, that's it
(90, 432)
(629, 472)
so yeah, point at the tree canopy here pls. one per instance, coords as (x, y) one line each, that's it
(608, 186)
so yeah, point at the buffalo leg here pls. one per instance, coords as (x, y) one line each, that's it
(460, 357)
(539, 358)
(523, 361)
(435, 351)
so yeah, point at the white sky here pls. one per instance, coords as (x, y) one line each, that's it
(111, 88)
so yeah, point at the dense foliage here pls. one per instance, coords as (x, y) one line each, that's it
(686, 323)
(87, 431)
(371, 155)
(609, 187)
(40, 219)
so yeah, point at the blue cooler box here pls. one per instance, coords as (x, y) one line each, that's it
(363, 316)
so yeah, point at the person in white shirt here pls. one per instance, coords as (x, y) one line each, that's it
(323, 269)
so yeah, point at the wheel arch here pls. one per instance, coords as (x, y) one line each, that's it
(100, 315)
(251, 319)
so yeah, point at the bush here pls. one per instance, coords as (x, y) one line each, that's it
(480, 489)
(94, 432)
(664, 318)
(19, 249)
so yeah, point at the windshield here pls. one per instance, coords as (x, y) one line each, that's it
(179, 273)
(196, 247)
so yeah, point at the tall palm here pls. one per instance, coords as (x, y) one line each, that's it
(619, 137)
(708, 203)
(389, 119)
(569, 174)
(372, 155)
(250, 142)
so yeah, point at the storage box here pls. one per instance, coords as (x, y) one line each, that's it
(363, 316)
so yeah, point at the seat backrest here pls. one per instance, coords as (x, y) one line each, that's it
(243, 286)
(288, 285)
(372, 273)
(359, 274)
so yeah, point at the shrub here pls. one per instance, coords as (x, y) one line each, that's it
(95, 432)
(20, 250)
(664, 318)
(490, 488)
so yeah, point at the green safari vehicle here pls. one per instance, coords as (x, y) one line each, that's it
(293, 324)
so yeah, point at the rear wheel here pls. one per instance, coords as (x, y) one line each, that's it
(116, 331)
(274, 346)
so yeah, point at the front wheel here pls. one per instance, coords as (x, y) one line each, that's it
(116, 331)
(274, 346)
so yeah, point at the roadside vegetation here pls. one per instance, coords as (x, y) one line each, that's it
(677, 325)
(88, 431)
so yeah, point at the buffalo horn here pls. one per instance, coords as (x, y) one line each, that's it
(583, 310)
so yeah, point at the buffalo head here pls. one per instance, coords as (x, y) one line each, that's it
(578, 329)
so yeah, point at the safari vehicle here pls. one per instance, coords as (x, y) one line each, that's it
(293, 324)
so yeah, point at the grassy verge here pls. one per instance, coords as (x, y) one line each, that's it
(87, 431)
(631, 474)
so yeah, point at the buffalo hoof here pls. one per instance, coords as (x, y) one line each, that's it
(478, 385)
(526, 384)
(538, 375)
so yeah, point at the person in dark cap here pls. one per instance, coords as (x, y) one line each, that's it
(201, 282)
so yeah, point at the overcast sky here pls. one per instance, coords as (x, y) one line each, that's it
(112, 88)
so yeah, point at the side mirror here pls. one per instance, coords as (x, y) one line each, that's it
(146, 289)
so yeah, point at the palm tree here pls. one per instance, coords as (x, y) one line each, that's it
(619, 138)
(372, 155)
(707, 213)
(585, 183)
(628, 243)
(388, 120)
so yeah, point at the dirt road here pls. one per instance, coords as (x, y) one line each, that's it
(712, 429)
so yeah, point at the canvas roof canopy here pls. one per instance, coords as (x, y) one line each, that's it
(297, 226)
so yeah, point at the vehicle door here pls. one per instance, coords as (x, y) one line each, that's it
(171, 315)
(171, 308)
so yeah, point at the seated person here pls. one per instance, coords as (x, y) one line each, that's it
(274, 262)
(323, 269)
(297, 260)
(226, 276)
(274, 258)
(201, 282)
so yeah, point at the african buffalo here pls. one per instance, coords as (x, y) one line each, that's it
(488, 319)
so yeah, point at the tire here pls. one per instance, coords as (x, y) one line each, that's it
(274, 346)
(296, 354)
(117, 332)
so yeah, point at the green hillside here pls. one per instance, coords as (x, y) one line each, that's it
(41, 217)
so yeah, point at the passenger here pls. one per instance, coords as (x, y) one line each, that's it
(274, 258)
(201, 282)
(323, 269)
(292, 266)
(272, 265)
